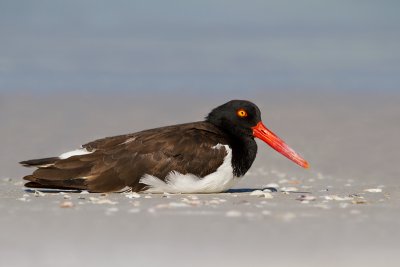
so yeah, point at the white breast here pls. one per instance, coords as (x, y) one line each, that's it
(220, 180)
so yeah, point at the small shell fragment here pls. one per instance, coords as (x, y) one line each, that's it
(373, 190)
(260, 193)
(257, 193)
(178, 205)
(66, 204)
(337, 198)
(132, 195)
(166, 195)
(268, 195)
(39, 194)
(96, 200)
(172, 205)
(359, 201)
(24, 199)
(289, 189)
(192, 202)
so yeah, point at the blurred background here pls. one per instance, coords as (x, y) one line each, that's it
(213, 46)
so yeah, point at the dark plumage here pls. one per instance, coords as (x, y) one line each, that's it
(114, 163)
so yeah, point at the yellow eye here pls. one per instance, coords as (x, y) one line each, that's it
(241, 113)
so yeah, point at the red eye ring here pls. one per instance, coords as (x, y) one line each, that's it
(241, 113)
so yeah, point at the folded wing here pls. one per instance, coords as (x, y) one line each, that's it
(113, 163)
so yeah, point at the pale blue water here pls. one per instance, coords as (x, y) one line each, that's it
(199, 45)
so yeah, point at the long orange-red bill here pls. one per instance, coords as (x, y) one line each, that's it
(260, 131)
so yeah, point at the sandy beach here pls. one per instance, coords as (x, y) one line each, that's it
(343, 211)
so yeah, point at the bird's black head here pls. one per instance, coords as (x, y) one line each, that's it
(236, 117)
(242, 120)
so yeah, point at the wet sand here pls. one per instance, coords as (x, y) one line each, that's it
(344, 211)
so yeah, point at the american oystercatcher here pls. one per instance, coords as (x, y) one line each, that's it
(200, 157)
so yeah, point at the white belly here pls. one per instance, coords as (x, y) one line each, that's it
(220, 180)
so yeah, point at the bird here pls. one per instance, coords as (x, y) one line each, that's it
(208, 156)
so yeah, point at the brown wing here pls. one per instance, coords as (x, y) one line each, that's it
(120, 161)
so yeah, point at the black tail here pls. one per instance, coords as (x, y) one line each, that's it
(39, 162)
(58, 173)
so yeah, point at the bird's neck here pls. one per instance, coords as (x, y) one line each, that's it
(244, 148)
(244, 151)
